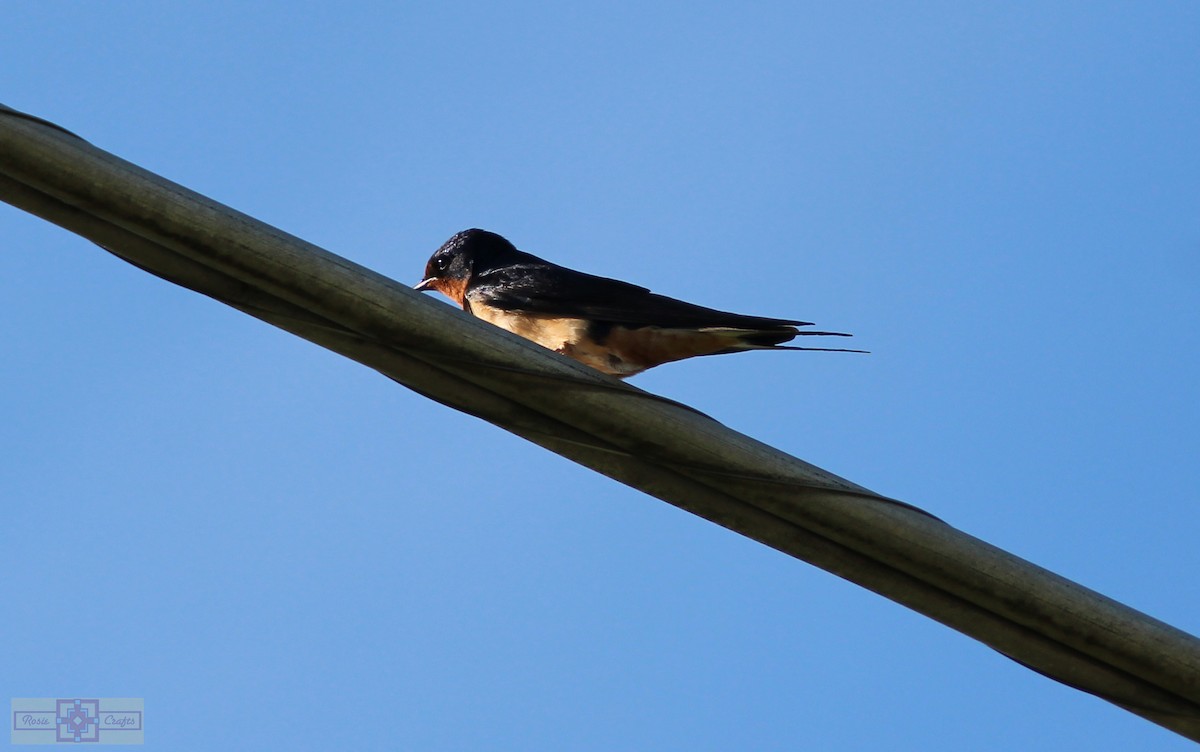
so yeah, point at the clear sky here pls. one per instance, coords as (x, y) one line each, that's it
(280, 549)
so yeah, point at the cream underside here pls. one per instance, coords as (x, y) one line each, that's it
(624, 352)
(566, 336)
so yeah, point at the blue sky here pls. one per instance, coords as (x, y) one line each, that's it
(278, 548)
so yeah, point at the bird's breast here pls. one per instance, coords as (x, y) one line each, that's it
(554, 332)
(563, 334)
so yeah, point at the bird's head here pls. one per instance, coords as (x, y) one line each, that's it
(451, 266)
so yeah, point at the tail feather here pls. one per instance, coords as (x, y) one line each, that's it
(773, 339)
(814, 349)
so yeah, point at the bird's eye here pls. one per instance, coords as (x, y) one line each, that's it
(440, 263)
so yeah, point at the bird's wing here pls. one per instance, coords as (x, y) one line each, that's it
(551, 289)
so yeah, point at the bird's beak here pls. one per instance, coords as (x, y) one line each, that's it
(425, 284)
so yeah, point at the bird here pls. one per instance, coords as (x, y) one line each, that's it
(615, 327)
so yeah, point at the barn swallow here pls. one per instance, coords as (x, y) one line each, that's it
(615, 327)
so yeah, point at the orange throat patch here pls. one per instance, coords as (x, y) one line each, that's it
(455, 289)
